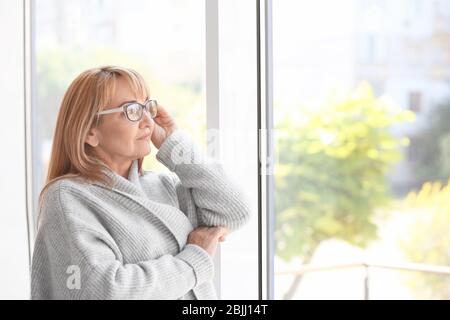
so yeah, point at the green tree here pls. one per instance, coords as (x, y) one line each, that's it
(331, 172)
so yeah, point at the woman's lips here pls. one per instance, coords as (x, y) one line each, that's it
(146, 137)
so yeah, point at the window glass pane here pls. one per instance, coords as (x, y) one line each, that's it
(362, 113)
(238, 141)
(162, 40)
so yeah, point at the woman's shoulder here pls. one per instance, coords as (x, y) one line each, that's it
(61, 194)
(66, 185)
(69, 207)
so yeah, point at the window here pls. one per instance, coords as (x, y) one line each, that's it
(358, 174)
(235, 115)
(361, 157)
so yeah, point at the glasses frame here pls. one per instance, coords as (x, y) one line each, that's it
(123, 108)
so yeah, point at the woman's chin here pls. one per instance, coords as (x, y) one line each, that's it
(149, 150)
(144, 150)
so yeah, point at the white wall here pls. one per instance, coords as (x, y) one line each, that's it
(14, 272)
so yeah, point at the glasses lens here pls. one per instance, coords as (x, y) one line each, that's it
(134, 112)
(152, 108)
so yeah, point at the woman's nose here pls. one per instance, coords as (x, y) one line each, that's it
(147, 119)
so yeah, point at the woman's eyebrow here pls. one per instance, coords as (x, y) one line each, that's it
(125, 102)
(130, 101)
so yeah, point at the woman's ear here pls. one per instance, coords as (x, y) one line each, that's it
(92, 138)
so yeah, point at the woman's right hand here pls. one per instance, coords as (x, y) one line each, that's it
(208, 237)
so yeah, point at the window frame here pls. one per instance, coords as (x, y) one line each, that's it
(266, 214)
(14, 183)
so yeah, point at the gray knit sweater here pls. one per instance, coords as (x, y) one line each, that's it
(129, 241)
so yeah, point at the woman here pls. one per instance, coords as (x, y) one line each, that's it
(109, 230)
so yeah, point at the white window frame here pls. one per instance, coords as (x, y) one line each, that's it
(14, 269)
(266, 209)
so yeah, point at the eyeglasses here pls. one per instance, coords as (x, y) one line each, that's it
(135, 110)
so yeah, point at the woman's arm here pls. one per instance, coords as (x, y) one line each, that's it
(103, 276)
(168, 277)
(202, 186)
(66, 247)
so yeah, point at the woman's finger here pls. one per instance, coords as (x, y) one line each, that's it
(164, 119)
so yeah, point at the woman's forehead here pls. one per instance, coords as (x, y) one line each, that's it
(124, 92)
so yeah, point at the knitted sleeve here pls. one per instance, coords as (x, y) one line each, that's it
(202, 185)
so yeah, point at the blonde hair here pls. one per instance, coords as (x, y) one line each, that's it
(88, 94)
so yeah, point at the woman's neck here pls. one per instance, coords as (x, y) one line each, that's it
(121, 168)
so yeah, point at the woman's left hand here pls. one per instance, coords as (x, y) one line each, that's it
(164, 126)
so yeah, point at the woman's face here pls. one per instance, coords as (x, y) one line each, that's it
(117, 140)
